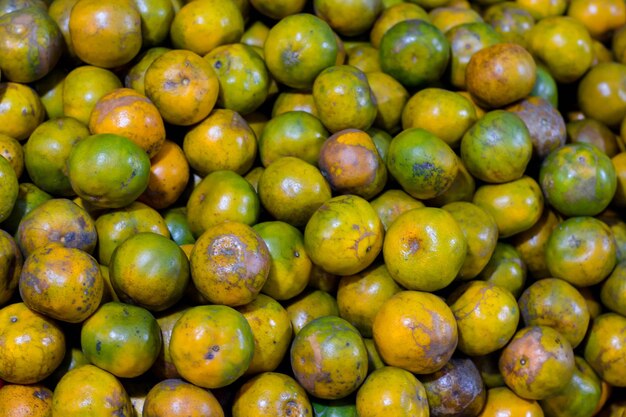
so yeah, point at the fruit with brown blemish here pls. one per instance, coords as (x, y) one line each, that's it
(271, 394)
(212, 345)
(455, 390)
(92, 391)
(351, 164)
(604, 348)
(556, 303)
(344, 235)
(424, 249)
(537, 363)
(25, 401)
(57, 220)
(424, 165)
(500, 74)
(486, 316)
(329, 358)
(62, 283)
(415, 331)
(32, 345)
(310, 305)
(271, 328)
(30, 44)
(230, 263)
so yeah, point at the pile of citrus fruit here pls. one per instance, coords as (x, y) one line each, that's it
(313, 208)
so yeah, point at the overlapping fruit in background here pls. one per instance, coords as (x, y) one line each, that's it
(331, 208)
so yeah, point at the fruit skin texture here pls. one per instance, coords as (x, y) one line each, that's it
(201, 27)
(344, 235)
(62, 283)
(537, 363)
(487, 317)
(457, 389)
(515, 206)
(555, 303)
(601, 93)
(21, 110)
(149, 270)
(169, 175)
(481, 234)
(83, 87)
(292, 190)
(290, 264)
(230, 263)
(351, 164)
(503, 401)
(604, 348)
(32, 345)
(544, 122)
(108, 170)
(414, 52)
(500, 74)
(47, 150)
(127, 113)
(222, 141)
(172, 397)
(9, 188)
(222, 196)
(298, 48)
(244, 79)
(11, 260)
(30, 44)
(421, 318)
(579, 398)
(182, 85)
(212, 345)
(105, 34)
(90, 391)
(57, 220)
(118, 225)
(613, 293)
(329, 358)
(392, 391)
(310, 305)
(497, 148)
(271, 394)
(272, 332)
(25, 401)
(581, 251)
(446, 114)
(121, 338)
(360, 296)
(563, 44)
(424, 249)
(424, 165)
(344, 99)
